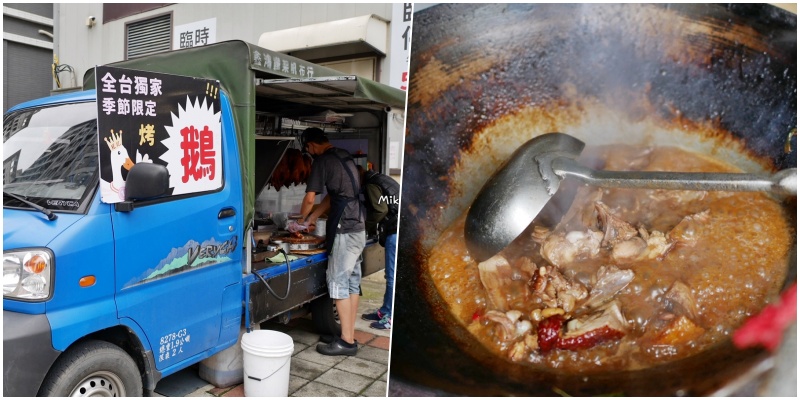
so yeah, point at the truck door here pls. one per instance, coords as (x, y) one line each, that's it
(178, 257)
(175, 260)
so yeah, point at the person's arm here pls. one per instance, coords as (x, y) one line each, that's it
(306, 206)
(320, 209)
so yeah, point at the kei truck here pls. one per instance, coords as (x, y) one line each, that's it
(142, 216)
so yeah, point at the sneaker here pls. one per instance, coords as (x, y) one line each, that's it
(373, 316)
(384, 324)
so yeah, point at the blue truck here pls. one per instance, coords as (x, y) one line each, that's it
(130, 214)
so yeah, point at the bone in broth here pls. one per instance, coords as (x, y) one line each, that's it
(628, 278)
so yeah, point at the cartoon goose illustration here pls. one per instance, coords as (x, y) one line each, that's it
(114, 191)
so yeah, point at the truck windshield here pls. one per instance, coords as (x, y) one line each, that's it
(50, 156)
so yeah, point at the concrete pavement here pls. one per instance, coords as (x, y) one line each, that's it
(313, 374)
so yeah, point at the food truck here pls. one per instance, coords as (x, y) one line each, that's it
(140, 216)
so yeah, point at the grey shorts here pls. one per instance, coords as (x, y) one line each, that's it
(344, 264)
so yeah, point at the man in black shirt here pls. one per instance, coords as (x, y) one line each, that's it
(335, 171)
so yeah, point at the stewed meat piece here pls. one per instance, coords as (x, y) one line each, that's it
(690, 229)
(553, 290)
(615, 229)
(512, 327)
(497, 277)
(608, 281)
(563, 248)
(682, 300)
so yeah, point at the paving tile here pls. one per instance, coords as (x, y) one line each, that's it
(362, 367)
(376, 389)
(344, 380)
(305, 337)
(237, 391)
(374, 354)
(295, 383)
(202, 392)
(219, 391)
(316, 389)
(307, 369)
(298, 347)
(310, 354)
(363, 337)
(380, 342)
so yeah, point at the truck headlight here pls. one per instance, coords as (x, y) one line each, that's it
(27, 274)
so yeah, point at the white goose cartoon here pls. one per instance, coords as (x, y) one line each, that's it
(114, 191)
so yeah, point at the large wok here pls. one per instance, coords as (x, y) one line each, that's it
(716, 79)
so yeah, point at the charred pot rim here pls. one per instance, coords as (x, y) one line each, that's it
(485, 74)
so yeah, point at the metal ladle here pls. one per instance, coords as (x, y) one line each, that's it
(517, 193)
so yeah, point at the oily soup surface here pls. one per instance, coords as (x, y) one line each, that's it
(729, 260)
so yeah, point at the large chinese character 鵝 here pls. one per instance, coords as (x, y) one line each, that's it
(191, 154)
(207, 152)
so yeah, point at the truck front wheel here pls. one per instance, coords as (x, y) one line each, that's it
(325, 317)
(93, 368)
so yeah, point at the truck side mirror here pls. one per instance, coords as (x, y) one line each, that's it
(145, 181)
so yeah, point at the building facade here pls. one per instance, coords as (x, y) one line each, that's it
(353, 38)
(27, 52)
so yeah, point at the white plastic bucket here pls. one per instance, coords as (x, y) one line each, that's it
(267, 357)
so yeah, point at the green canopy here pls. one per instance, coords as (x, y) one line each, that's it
(241, 66)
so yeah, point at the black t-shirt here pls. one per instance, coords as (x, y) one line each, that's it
(327, 173)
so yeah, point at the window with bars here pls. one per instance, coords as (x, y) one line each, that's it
(148, 36)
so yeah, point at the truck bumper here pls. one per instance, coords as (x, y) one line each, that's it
(28, 353)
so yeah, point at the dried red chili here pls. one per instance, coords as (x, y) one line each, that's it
(548, 332)
(589, 339)
(549, 336)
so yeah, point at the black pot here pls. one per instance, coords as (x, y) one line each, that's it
(718, 79)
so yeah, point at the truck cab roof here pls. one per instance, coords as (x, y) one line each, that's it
(71, 97)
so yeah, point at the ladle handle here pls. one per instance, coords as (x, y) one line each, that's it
(783, 182)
